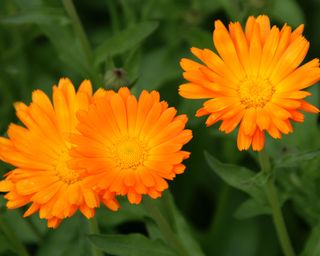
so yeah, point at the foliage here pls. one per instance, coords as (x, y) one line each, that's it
(146, 39)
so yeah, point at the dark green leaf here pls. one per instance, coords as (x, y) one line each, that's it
(42, 15)
(178, 224)
(238, 177)
(124, 40)
(251, 208)
(130, 245)
(184, 232)
(69, 239)
(295, 159)
(312, 247)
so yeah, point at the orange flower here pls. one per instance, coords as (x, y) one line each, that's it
(254, 82)
(40, 153)
(129, 146)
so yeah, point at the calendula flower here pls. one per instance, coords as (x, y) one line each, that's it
(40, 153)
(254, 81)
(129, 146)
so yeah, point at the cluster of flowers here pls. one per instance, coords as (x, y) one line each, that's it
(86, 148)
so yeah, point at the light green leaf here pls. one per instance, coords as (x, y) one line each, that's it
(124, 40)
(312, 247)
(130, 245)
(238, 177)
(295, 159)
(251, 208)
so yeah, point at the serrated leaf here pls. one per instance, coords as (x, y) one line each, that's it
(251, 208)
(124, 40)
(312, 247)
(294, 159)
(130, 245)
(238, 177)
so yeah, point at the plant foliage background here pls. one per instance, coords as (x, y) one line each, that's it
(139, 43)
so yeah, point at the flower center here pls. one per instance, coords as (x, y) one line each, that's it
(255, 92)
(130, 153)
(64, 173)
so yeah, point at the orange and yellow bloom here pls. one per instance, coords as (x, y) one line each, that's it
(130, 146)
(40, 153)
(88, 148)
(254, 82)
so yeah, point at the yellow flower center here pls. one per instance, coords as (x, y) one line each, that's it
(255, 92)
(130, 153)
(64, 173)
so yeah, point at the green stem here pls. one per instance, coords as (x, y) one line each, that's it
(12, 237)
(94, 230)
(272, 195)
(164, 227)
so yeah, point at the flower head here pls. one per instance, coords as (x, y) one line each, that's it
(40, 153)
(130, 146)
(254, 81)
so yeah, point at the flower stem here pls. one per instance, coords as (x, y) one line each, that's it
(165, 228)
(273, 199)
(94, 230)
(12, 237)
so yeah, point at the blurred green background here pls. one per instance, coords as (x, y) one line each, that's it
(139, 43)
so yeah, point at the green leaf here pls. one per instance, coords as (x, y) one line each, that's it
(251, 208)
(124, 40)
(288, 11)
(43, 15)
(178, 224)
(69, 239)
(184, 232)
(132, 244)
(238, 177)
(294, 159)
(312, 247)
(199, 37)
(160, 61)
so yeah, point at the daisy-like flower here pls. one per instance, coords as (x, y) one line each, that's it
(40, 153)
(254, 81)
(129, 146)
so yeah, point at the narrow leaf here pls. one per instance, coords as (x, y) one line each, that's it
(312, 247)
(43, 15)
(251, 208)
(238, 177)
(294, 159)
(130, 245)
(124, 40)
